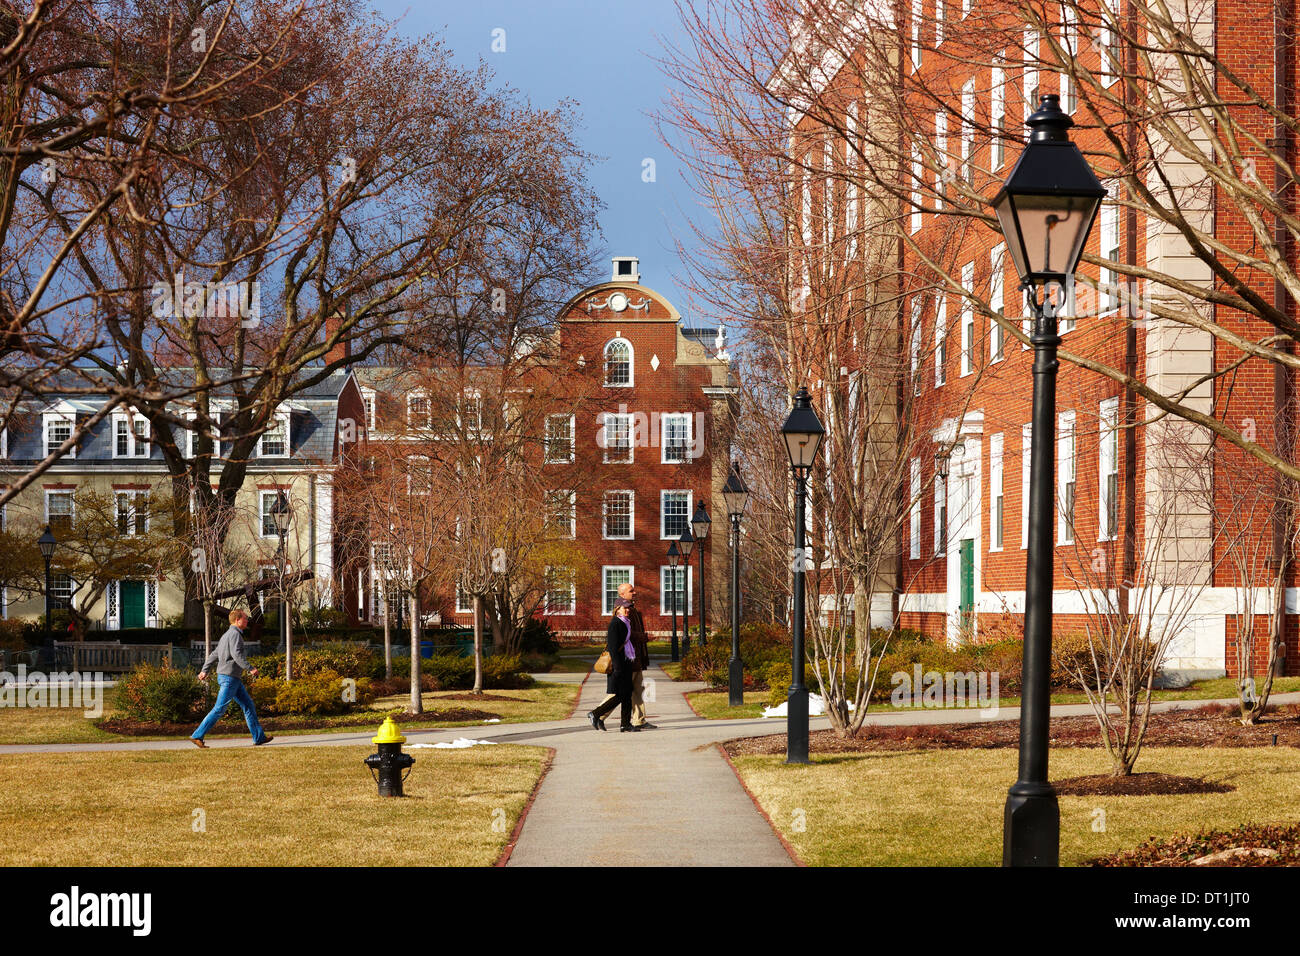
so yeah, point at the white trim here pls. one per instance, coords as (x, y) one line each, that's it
(1107, 464)
(1026, 447)
(996, 492)
(281, 419)
(666, 611)
(573, 593)
(664, 419)
(1067, 454)
(663, 512)
(631, 515)
(546, 439)
(604, 583)
(967, 313)
(127, 419)
(72, 504)
(914, 514)
(631, 364)
(61, 414)
(551, 497)
(602, 438)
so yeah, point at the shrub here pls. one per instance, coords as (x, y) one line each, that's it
(13, 635)
(505, 672)
(778, 681)
(162, 694)
(346, 660)
(538, 637)
(1071, 653)
(320, 695)
(500, 672)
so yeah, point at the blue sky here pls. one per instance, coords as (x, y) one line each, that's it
(603, 56)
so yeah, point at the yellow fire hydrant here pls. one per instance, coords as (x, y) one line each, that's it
(387, 765)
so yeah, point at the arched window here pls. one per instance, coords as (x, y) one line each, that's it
(618, 363)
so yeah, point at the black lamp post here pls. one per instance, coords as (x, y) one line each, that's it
(1046, 209)
(47, 542)
(686, 544)
(735, 494)
(802, 433)
(673, 557)
(700, 525)
(281, 513)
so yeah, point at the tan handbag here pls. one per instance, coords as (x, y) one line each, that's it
(603, 663)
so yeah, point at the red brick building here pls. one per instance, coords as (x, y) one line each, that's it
(625, 479)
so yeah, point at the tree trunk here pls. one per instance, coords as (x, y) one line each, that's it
(478, 643)
(388, 638)
(207, 628)
(417, 702)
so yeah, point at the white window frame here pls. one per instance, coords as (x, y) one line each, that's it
(4, 439)
(938, 23)
(369, 406)
(413, 464)
(573, 593)
(131, 512)
(263, 511)
(281, 419)
(997, 302)
(58, 417)
(127, 419)
(967, 319)
(997, 497)
(941, 522)
(548, 441)
(683, 569)
(1070, 44)
(419, 394)
(631, 515)
(663, 511)
(1108, 279)
(1026, 458)
(464, 600)
(942, 169)
(918, 11)
(631, 363)
(606, 607)
(1029, 73)
(918, 170)
(914, 513)
(997, 113)
(553, 498)
(940, 340)
(1066, 477)
(72, 505)
(1110, 48)
(968, 131)
(607, 419)
(664, 419)
(1108, 465)
(918, 308)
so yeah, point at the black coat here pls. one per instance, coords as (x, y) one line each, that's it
(620, 667)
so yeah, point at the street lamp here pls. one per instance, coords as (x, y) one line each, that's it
(686, 544)
(1046, 209)
(47, 542)
(735, 494)
(700, 525)
(281, 514)
(802, 433)
(673, 557)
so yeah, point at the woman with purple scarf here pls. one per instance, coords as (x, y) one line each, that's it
(623, 662)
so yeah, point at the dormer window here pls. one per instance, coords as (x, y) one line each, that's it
(274, 442)
(368, 401)
(618, 363)
(417, 409)
(59, 424)
(130, 435)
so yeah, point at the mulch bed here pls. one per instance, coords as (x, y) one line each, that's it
(1280, 845)
(469, 696)
(1137, 785)
(1214, 725)
(136, 728)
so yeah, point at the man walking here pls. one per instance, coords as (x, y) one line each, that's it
(228, 655)
(641, 642)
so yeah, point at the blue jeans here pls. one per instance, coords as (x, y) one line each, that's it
(232, 689)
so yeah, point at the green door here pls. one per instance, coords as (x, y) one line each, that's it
(131, 594)
(967, 581)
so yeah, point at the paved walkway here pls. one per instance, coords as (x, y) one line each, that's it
(663, 797)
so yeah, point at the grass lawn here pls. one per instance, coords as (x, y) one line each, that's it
(944, 807)
(312, 806)
(52, 725)
(714, 705)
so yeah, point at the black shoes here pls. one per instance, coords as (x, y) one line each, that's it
(629, 729)
(596, 722)
(646, 726)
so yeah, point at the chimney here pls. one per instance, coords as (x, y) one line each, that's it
(341, 351)
(627, 269)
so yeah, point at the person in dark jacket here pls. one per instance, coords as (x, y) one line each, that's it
(623, 663)
(641, 642)
(228, 656)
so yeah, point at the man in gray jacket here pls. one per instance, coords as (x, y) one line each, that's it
(228, 655)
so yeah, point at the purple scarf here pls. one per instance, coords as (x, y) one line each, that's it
(628, 650)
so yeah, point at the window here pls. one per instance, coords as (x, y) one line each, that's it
(274, 442)
(611, 577)
(940, 515)
(419, 475)
(60, 510)
(469, 416)
(58, 429)
(997, 284)
(561, 591)
(268, 499)
(132, 509)
(1026, 446)
(418, 409)
(918, 170)
(616, 434)
(675, 514)
(617, 516)
(1070, 49)
(851, 186)
(559, 439)
(4, 448)
(916, 34)
(997, 509)
(130, 435)
(1108, 471)
(917, 307)
(940, 339)
(938, 22)
(1109, 291)
(368, 403)
(618, 363)
(562, 513)
(1031, 72)
(464, 600)
(943, 168)
(914, 514)
(60, 591)
(1065, 484)
(675, 590)
(1112, 50)
(967, 319)
(968, 131)
(675, 438)
(998, 112)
